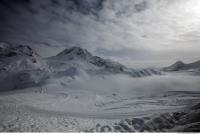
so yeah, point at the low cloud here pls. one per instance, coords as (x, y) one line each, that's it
(123, 84)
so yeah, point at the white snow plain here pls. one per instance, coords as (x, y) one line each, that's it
(114, 103)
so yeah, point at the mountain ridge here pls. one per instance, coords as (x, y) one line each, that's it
(76, 55)
(23, 67)
(181, 66)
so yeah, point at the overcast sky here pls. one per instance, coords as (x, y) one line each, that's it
(134, 32)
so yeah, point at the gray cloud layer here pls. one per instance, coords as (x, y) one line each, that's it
(125, 30)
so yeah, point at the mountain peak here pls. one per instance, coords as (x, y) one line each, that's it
(179, 65)
(7, 50)
(179, 62)
(75, 52)
(26, 50)
(175, 67)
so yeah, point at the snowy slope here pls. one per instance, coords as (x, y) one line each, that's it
(20, 67)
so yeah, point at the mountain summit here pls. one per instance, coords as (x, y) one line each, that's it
(75, 52)
(7, 50)
(20, 67)
(179, 66)
(175, 67)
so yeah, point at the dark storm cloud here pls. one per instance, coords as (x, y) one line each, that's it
(82, 6)
(88, 6)
(56, 23)
(141, 6)
(113, 28)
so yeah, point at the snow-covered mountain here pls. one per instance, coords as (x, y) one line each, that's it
(77, 58)
(22, 67)
(179, 66)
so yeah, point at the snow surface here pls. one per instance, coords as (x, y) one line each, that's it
(54, 108)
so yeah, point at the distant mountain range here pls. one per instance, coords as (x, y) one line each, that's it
(180, 66)
(22, 67)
